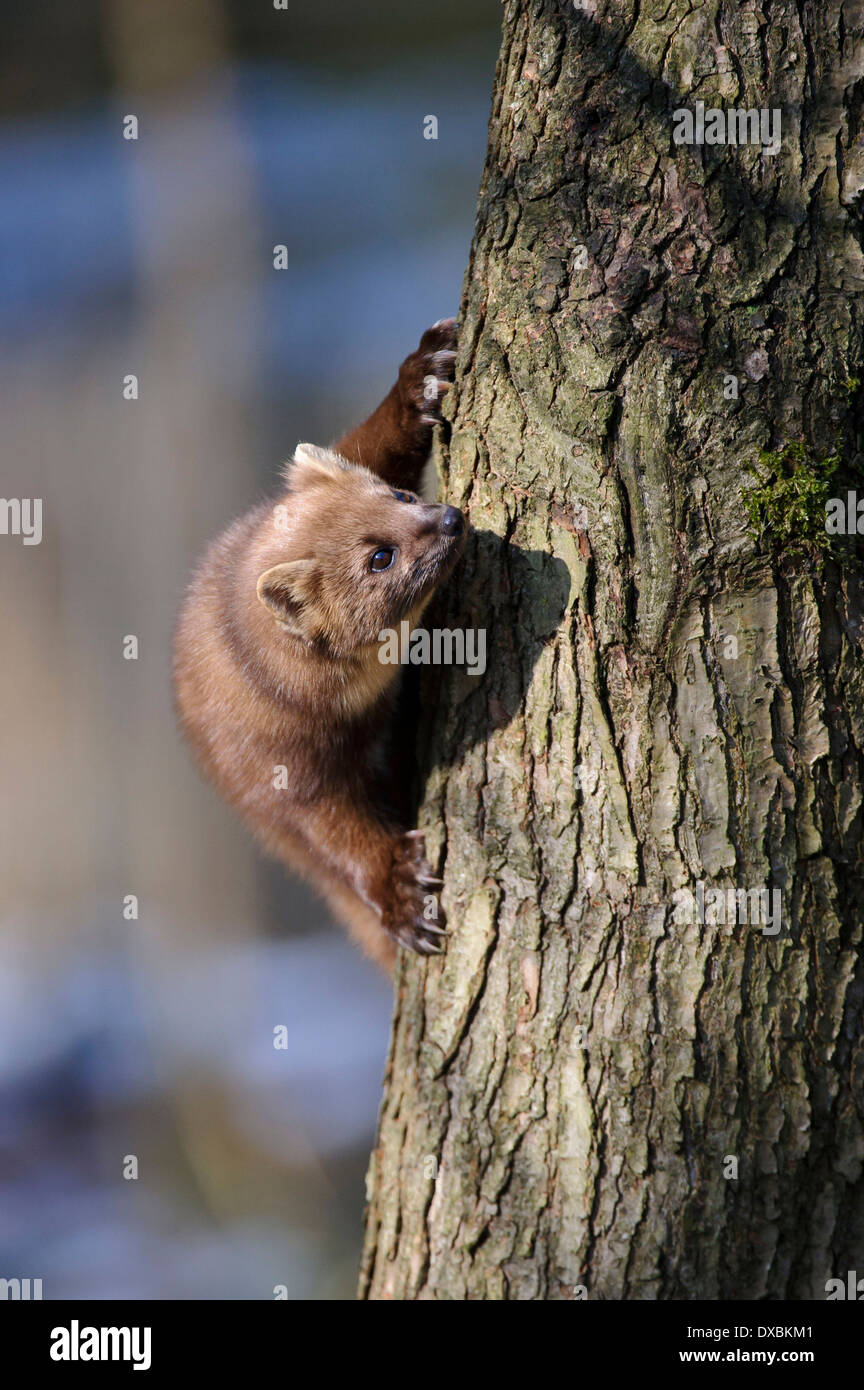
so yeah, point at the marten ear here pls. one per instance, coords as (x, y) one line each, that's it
(313, 465)
(287, 590)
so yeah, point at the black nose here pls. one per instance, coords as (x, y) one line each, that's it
(452, 522)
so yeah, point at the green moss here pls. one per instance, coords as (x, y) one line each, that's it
(786, 502)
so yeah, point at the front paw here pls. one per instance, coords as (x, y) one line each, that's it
(412, 914)
(425, 376)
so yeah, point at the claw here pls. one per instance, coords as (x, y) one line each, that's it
(427, 882)
(444, 331)
(428, 948)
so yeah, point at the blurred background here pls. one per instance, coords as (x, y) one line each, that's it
(152, 1037)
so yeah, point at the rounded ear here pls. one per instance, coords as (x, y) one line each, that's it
(287, 590)
(311, 465)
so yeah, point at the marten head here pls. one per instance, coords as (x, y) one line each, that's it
(353, 555)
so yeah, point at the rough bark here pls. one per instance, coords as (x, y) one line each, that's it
(567, 1086)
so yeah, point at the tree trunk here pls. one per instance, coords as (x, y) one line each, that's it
(596, 1092)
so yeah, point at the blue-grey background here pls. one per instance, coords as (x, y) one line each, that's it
(154, 1037)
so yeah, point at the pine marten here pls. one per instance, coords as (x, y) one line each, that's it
(278, 681)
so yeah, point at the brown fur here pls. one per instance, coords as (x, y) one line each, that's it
(276, 658)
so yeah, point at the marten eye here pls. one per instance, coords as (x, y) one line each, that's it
(402, 496)
(382, 559)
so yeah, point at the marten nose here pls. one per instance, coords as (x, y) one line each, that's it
(452, 522)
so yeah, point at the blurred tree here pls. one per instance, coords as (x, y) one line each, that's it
(590, 1092)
